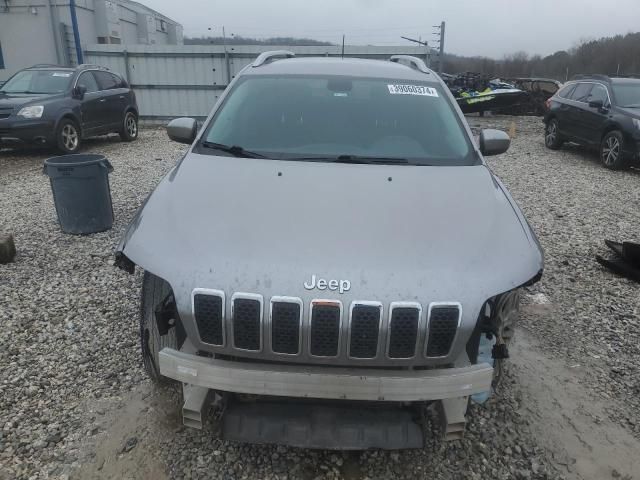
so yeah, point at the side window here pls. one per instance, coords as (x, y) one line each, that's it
(106, 81)
(598, 92)
(565, 92)
(86, 79)
(581, 92)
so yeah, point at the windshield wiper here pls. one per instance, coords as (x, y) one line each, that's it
(234, 150)
(370, 160)
(634, 105)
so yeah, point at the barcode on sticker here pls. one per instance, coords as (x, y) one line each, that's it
(412, 90)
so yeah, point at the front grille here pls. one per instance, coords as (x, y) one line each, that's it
(285, 327)
(364, 331)
(325, 330)
(288, 330)
(4, 115)
(208, 312)
(403, 332)
(246, 324)
(443, 326)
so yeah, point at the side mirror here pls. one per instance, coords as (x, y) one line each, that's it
(182, 130)
(494, 142)
(599, 104)
(79, 91)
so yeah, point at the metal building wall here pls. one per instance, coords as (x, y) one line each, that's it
(186, 80)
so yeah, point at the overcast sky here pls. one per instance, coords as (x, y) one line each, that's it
(474, 27)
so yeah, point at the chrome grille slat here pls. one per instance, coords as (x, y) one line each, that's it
(442, 328)
(364, 329)
(208, 310)
(246, 321)
(324, 332)
(286, 325)
(404, 331)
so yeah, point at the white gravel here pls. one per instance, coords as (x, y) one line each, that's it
(69, 351)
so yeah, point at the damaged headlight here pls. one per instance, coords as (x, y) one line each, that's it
(32, 111)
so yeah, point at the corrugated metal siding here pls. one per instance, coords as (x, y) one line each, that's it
(186, 80)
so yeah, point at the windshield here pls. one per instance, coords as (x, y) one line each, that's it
(38, 81)
(627, 95)
(337, 118)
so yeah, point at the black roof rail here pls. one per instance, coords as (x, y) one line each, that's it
(591, 76)
(267, 57)
(42, 65)
(90, 65)
(413, 62)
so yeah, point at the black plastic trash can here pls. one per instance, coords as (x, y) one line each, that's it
(80, 186)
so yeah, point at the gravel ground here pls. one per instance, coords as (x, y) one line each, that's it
(74, 401)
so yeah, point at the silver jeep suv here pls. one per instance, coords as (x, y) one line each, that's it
(331, 256)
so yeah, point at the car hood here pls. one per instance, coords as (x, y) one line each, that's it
(631, 112)
(8, 100)
(396, 233)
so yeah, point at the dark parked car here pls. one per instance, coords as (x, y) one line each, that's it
(59, 106)
(597, 111)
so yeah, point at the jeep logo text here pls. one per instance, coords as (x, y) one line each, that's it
(321, 284)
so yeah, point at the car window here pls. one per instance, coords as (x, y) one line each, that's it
(38, 81)
(329, 116)
(581, 92)
(598, 93)
(106, 80)
(627, 94)
(87, 80)
(566, 91)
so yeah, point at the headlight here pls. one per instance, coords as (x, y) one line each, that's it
(636, 123)
(33, 111)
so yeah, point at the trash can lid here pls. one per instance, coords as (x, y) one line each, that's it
(75, 160)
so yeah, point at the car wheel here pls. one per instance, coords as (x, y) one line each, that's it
(68, 136)
(552, 138)
(129, 130)
(154, 291)
(612, 151)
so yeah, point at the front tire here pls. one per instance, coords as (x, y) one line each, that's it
(552, 138)
(612, 153)
(154, 291)
(129, 130)
(68, 138)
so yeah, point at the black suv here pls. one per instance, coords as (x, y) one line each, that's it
(60, 106)
(597, 111)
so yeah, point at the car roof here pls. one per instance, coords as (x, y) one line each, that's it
(354, 67)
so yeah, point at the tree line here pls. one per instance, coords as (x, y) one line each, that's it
(239, 40)
(610, 55)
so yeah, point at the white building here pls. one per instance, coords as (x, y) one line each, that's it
(41, 31)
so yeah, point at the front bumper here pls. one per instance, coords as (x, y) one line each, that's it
(325, 383)
(26, 131)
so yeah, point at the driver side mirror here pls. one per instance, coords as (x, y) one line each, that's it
(599, 104)
(494, 142)
(79, 91)
(183, 130)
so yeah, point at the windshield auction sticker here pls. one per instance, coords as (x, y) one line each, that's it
(412, 90)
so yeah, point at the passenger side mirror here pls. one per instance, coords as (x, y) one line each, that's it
(79, 91)
(599, 104)
(494, 142)
(182, 130)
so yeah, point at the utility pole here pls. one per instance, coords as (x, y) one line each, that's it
(226, 55)
(440, 34)
(343, 45)
(427, 55)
